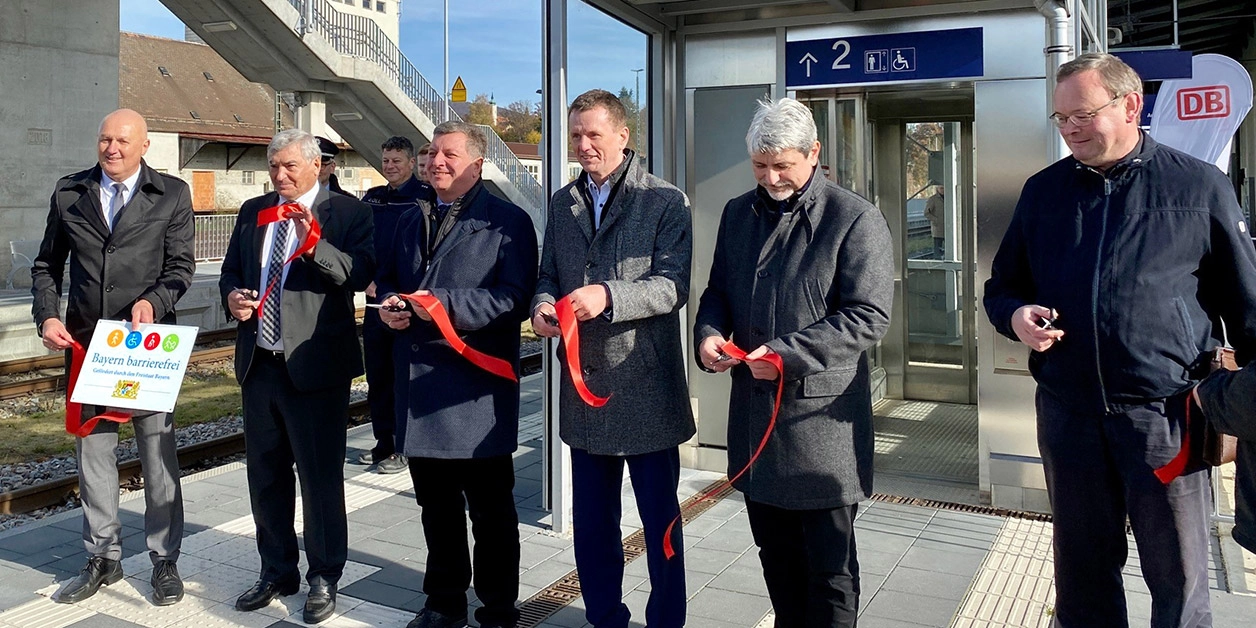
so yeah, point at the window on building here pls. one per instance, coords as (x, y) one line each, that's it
(246, 177)
(348, 174)
(379, 6)
(366, 4)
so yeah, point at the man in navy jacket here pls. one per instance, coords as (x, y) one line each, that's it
(457, 423)
(1119, 266)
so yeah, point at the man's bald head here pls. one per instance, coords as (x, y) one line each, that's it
(122, 143)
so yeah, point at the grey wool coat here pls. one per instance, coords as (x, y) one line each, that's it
(816, 286)
(641, 253)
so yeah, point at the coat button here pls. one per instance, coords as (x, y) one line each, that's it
(588, 264)
(587, 370)
(109, 288)
(763, 273)
(414, 348)
(111, 248)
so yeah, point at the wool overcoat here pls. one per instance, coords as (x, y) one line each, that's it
(816, 286)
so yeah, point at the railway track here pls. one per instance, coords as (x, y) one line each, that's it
(54, 492)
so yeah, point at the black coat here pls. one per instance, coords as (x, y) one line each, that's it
(1141, 262)
(148, 255)
(1229, 403)
(483, 272)
(319, 333)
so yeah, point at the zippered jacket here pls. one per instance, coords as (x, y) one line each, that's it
(1142, 264)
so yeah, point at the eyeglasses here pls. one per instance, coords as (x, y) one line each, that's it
(1083, 119)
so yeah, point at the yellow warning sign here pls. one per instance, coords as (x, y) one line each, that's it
(459, 91)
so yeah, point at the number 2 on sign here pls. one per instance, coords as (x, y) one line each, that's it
(845, 46)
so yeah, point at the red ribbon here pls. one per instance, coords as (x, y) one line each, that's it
(73, 411)
(571, 341)
(1172, 469)
(284, 212)
(433, 307)
(735, 352)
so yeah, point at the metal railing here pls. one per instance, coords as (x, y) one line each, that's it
(361, 37)
(213, 232)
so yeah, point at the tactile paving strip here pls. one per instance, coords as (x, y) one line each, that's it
(1013, 588)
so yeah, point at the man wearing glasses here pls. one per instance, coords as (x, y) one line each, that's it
(1118, 269)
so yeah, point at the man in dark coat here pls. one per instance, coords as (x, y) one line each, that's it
(388, 203)
(127, 231)
(327, 167)
(295, 365)
(1228, 401)
(458, 423)
(617, 246)
(803, 270)
(1118, 269)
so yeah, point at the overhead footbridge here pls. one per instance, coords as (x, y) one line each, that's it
(343, 68)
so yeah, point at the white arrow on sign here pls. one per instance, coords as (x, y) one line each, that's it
(808, 59)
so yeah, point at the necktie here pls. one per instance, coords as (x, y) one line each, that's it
(116, 204)
(274, 275)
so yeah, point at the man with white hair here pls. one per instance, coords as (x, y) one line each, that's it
(802, 277)
(291, 289)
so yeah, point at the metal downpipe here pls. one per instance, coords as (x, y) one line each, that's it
(1059, 51)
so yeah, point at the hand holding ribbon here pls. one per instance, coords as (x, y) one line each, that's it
(774, 360)
(74, 423)
(285, 211)
(433, 308)
(566, 316)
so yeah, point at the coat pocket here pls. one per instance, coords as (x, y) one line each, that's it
(828, 383)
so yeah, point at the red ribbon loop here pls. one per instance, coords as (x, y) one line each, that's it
(735, 352)
(73, 411)
(571, 341)
(1172, 469)
(284, 212)
(433, 307)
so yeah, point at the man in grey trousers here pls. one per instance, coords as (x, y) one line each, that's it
(127, 230)
(817, 259)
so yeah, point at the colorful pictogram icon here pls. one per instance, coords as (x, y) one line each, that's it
(170, 343)
(115, 338)
(133, 340)
(152, 341)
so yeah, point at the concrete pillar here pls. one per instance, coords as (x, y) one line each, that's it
(312, 114)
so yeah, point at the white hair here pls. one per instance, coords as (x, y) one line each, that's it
(283, 139)
(780, 125)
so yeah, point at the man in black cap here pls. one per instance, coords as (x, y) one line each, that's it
(327, 171)
(388, 202)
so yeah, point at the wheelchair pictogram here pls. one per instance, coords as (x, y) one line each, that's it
(902, 59)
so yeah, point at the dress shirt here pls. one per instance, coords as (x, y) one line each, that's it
(274, 300)
(106, 194)
(599, 194)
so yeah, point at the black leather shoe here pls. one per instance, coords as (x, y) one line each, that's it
(428, 618)
(99, 570)
(320, 604)
(167, 586)
(262, 592)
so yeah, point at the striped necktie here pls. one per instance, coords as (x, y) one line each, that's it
(274, 276)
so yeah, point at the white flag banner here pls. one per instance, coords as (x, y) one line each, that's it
(1200, 115)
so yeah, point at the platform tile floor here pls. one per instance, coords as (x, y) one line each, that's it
(920, 566)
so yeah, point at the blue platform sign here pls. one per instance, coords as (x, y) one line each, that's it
(916, 56)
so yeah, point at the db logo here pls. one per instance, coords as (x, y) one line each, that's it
(152, 341)
(1198, 103)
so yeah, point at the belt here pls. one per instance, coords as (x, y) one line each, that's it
(268, 353)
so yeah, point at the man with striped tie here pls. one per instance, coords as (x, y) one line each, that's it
(295, 259)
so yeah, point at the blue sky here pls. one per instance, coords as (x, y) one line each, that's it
(494, 45)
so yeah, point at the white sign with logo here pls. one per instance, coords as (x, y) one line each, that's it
(1200, 115)
(138, 370)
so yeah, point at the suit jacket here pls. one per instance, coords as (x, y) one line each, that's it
(319, 335)
(483, 272)
(641, 252)
(816, 286)
(148, 254)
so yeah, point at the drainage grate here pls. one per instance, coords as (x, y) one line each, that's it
(553, 598)
(977, 510)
